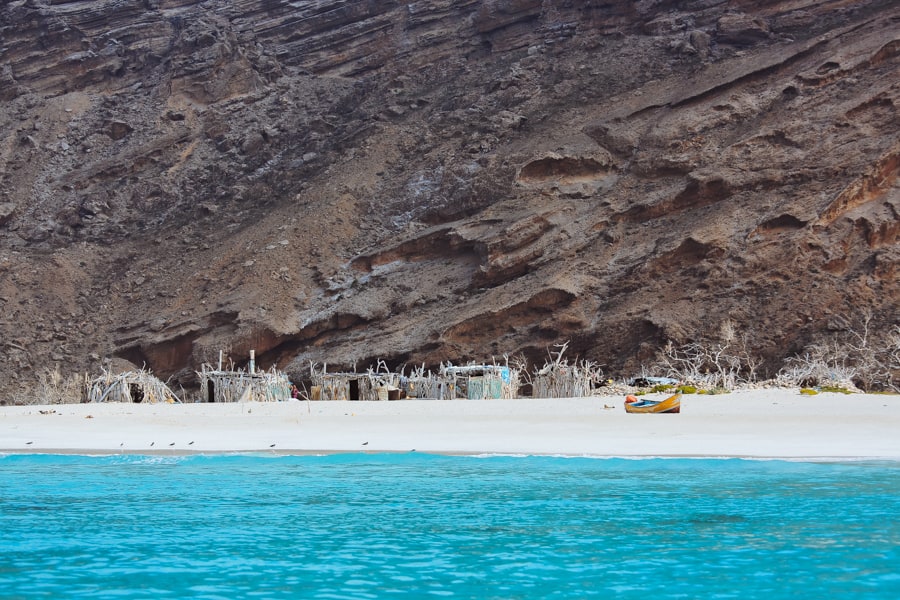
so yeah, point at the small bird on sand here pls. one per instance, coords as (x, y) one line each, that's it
(190, 443)
(172, 444)
(365, 443)
(271, 445)
(28, 443)
(151, 443)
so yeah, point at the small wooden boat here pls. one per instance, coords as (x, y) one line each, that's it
(672, 404)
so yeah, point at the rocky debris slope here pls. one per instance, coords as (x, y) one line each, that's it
(344, 181)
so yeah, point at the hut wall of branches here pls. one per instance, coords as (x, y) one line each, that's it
(371, 385)
(562, 382)
(426, 386)
(471, 382)
(559, 379)
(474, 382)
(132, 387)
(243, 386)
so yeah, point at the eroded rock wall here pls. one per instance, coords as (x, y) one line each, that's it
(344, 181)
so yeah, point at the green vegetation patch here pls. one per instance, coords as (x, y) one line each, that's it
(662, 387)
(834, 388)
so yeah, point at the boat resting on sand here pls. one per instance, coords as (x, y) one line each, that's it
(672, 404)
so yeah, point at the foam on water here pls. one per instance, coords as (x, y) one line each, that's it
(376, 526)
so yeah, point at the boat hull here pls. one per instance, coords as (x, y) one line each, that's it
(671, 405)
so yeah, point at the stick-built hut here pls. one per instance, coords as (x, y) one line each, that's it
(472, 382)
(218, 385)
(130, 386)
(374, 384)
(421, 384)
(481, 382)
(559, 379)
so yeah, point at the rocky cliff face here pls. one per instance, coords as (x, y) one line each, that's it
(342, 181)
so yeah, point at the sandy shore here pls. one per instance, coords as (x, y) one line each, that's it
(763, 423)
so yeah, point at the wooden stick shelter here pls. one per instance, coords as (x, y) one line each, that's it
(559, 379)
(218, 385)
(471, 382)
(422, 384)
(371, 385)
(131, 387)
(480, 382)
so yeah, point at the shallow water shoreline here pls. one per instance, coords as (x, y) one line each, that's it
(102, 453)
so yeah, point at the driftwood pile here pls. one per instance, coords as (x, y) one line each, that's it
(130, 386)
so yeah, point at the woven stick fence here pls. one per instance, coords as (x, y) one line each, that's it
(130, 386)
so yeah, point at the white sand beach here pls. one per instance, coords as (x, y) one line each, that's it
(759, 423)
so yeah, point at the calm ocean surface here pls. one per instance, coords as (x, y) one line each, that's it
(422, 526)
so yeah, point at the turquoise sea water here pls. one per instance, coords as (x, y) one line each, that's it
(421, 526)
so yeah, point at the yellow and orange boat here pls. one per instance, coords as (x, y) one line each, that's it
(671, 405)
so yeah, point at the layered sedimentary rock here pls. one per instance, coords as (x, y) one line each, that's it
(344, 181)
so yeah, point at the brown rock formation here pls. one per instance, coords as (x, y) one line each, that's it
(343, 181)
